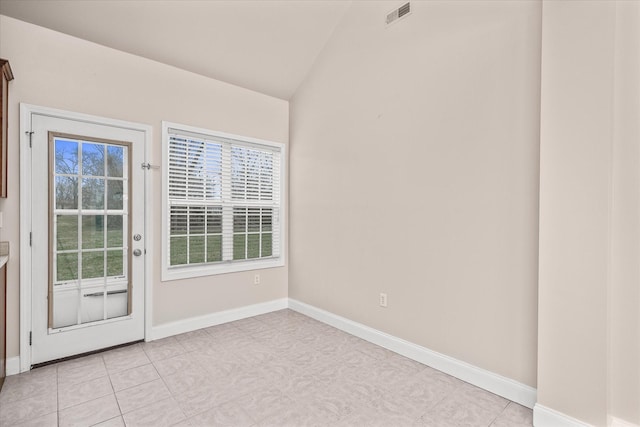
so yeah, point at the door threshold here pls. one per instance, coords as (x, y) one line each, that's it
(78, 356)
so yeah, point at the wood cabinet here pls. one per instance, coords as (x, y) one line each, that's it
(7, 75)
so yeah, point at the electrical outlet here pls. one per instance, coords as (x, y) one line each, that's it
(383, 299)
(256, 279)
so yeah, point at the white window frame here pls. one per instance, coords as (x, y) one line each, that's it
(191, 271)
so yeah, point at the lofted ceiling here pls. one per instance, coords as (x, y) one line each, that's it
(263, 45)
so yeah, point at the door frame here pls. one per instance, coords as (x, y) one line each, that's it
(26, 111)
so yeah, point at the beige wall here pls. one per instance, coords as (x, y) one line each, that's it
(414, 171)
(624, 299)
(589, 359)
(54, 70)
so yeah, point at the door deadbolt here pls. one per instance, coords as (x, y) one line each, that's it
(137, 237)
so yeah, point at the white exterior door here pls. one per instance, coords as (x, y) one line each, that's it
(87, 206)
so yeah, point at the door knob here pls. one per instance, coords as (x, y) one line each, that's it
(137, 252)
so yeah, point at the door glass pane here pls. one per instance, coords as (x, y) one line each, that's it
(114, 194)
(115, 263)
(90, 229)
(93, 159)
(92, 193)
(117, 302)
(66, 192)
(66, 157)
(92, 264)
(92, 304)
(67, 267)
(65, 303)
(115, 231)
(67, 232)
(115, 161)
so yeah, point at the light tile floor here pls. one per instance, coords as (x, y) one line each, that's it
(278, 369)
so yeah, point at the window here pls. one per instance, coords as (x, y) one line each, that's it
(88, 243)
(222, 203)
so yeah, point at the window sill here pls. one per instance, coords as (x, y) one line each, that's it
(189, 272)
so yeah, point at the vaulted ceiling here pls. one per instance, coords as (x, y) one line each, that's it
(263, 45)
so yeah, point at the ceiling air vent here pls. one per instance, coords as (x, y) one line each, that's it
(398, 13)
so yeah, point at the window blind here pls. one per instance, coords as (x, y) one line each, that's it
(224, 200)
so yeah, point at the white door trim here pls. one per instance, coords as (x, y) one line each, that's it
(26, 110)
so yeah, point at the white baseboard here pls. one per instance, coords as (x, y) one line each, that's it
(13, 365)
(193, 323)
(617, 422)
(502, 386)
(547, 417)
